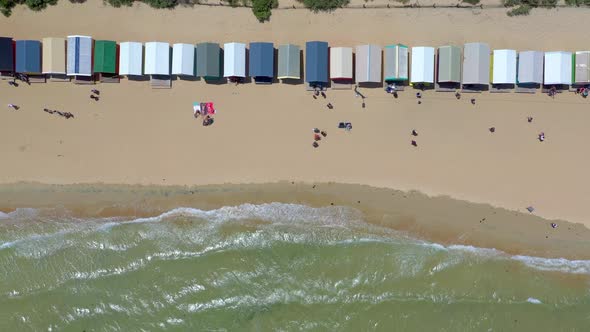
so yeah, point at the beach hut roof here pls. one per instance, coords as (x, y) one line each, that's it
(262, 57)
(208, 60)
(368, 64)
(582, 72)
(316, 62)
(234, 60)
(396, 63)
(54, 55)
(6, 54)
(79, 56)
(105, 56)
(157, 58)
(289, 65)
(530, 67)
(449, 64)
(422, 70)
(130, 59)
(476, 64)
(558, 68)
(504, 67)
(183, 59)
(341, 63)
(28, 56)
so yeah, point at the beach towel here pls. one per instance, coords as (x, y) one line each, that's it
(203, 108)
(196, 108)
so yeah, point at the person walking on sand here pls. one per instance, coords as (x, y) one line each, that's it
(330, 106)
(13, 106)
(473, 101)
(492, 129)
(414, 144)
(529, 119)
(414, 132)
(542, 137)
(96, 92)
(457, 95)
(324, 94)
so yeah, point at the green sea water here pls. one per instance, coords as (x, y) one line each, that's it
(270, 267)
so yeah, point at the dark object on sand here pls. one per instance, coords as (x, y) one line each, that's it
(473, 101)
(529, 119)
(341, 125)
(324, 133)
(94, 97)
(315, 144)
(530, 209)
(457, 95)
(395, 94)
(96, 92)
(316, 130)
(492, 129)
(414, 133)
(317, 137)
(419, 102)
(330, 106)
(315, 97)
(414, 143)
(553, 225)
(323, 94)
(418, 95)
(363, 104)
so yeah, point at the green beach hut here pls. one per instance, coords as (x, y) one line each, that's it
(105, 60)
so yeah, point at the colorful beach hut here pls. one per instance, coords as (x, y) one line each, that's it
(396, 63)
(28, 59)
(208, 61)
(368, 64)
(422, 65)
(558, 68)
(130, 59)
(289, 62)
(262, 57)
(183, 60)
(157, 64)
(476, 65)
(80, 59)
(449, 66)
(530, 68)
(316, 63)
(105, 61)
(341, 64)
(54, 59)
(504, 67)
(234, 61)
(582, 70)
(6, 57)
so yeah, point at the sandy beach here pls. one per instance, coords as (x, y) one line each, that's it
(262, 134)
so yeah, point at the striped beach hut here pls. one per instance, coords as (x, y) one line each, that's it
(422, 65)
(558, 68)
(262, 57)
(130, 59)
(530, 68)
(368, 64)
(341, 64)
(54, 59)
(209, 61)
(105, 60)
(6, 57)
(476, 65)
(504, 67)
(582, 70)
(316, 63)
(80, 58)
(157, 64)
(449, 66)
(28, 57)
(289, 62)
(183, 60)
(396, 63)
(234, 61)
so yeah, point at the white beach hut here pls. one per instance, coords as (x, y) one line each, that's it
(422, 65)
(530, 67)
(341, 63)
(368, 64)
(183, 59)
(558, 68)
(504, 65)
(79, 56)
(130, 59)
(234, 60)
(157, 58)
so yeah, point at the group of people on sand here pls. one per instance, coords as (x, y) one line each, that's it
(66, 115)
(95, 94)
(21, 77)
(583, 91)
(207, 119)
(317, 136)
(317, 91)
(540, 136)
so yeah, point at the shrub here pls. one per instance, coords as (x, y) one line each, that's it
(324, 5)
(472, 2)
(119, 3)
(262, 9)
(520, 10)
(161, 3)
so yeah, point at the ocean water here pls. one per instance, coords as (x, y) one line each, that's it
(270, 267)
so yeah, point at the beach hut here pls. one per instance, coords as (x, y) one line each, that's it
(183, 60)
(582, 70)
(80, 59)
(105, 61)
(476, 66)
(262, 57)
(208, 61)
(28, 60)
(558, 69)
(422, 65)
(6, 57)
(449, 67)
(54, 59)
(504, 67)
(289, 64)
(316, 63)
(396, 63)
(368, 64)
(157, 64)
(234, 61)
(130, 59)
(341, 65)
(530, 68)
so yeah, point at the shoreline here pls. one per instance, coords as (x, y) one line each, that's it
(440, 220)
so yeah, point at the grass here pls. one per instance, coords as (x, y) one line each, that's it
(524, 7)
(324, 5)
(472, 2)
